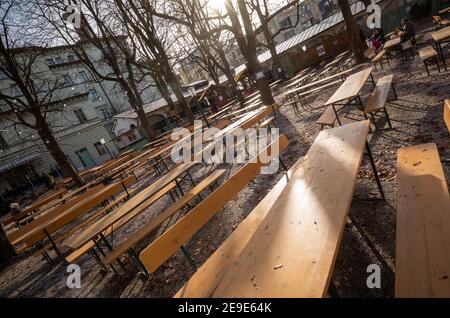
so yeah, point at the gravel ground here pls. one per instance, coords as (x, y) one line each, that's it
(369, 235)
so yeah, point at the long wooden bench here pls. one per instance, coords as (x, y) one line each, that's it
(205, 280)
(440, 22)
(327, 118)
(36, 205)
(167, 214)
(132, 212)
(292, 252)
(13, 236)
(105, 210)
(428, 54)
(55, 222)
(422, 260)
(447, 113)
(381, 58)
(178, 234)
(378, 98)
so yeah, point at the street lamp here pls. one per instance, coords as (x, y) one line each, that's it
(103, 142)
(197, 104)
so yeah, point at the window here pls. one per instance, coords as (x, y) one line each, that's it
(80, 115)
(93, 95)
(101, 149)
(67, 80)
(289, 34)
(307, 24)
(58, 60)
(132, 137)
(3, 143)
(83, 76)
(286, 23)
(71, 57)
(3, 75)
(104, 113)
(49, 62)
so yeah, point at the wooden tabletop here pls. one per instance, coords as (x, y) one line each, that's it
(49, 222)
(422, 260)
(300, 88)
(92, 231)
(441, 35)
(293, 251)
(446, 10)
(298, 81)
(391, 43)
(234, 125)
(351, 86)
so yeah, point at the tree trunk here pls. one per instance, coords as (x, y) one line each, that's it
(53, 147)
(261, 82)
(273, 53)
(6, 249)
(352, 30)
(176, 89)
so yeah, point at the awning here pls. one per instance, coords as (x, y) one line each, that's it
(18, 161)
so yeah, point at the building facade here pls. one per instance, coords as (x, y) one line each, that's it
(81, 122)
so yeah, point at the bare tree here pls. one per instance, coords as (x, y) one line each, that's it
(154, 37)
(33, 96)
(247, 43)
(117, 52)
(353, 31)
(266, 14)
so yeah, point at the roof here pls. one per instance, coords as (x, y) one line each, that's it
(307, 34)
(18, 161)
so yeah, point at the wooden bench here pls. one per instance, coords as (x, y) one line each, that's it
(128, 210)
(422, 260)
(75, 254)
(35, 206)
(407, 47)
(205, 280)
(132, 241)
(105, 210)
(178, 234)
(292, 252)
(327, 118)
(378, 98)
(428, 54)
(439, 22)
(381, 58)
(53, 223)
(447, 113)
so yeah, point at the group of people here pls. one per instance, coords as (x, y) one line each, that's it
(407, 33)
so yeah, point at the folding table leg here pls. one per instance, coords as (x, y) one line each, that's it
(337, 116)
(138, 262)
(55, 247)
(374, 170)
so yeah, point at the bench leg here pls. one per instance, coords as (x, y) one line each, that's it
(393, 90)
(336, 114)
(426, 68)
(387, 117)
(437, 64)
(98, 260)
(138, 262)
(55, 247)
(373, 120)
(189, 258)
(374, 170)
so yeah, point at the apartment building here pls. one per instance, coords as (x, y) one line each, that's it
(82, 123)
